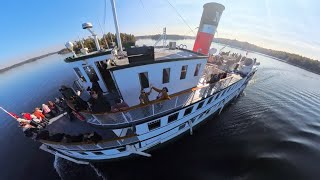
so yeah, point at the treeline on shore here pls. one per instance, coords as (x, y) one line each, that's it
(108, 40)
(294, 59)
(25, 62)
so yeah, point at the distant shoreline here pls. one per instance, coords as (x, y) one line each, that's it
(305, 63)
(26, 61)
(278, 59)
(289, 58)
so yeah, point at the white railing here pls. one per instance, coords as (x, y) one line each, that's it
(157, 108)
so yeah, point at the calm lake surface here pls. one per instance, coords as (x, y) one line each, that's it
(271, 132)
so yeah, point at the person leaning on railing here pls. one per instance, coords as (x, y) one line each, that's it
(163, 93)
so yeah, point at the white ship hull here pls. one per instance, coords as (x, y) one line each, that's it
(148, 139)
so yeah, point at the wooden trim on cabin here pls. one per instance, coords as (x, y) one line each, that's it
(154, 101)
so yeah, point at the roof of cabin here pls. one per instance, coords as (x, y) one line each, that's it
(159, 53)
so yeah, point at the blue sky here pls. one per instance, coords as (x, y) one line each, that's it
(35, 27)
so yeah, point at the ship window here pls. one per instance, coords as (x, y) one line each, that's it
(165, 75)
(217, 96)
(196, 72)
(201, 115)
(98, 153)
(194, 119)
(80, 75)
(182, 126)
(184, 72)
(121, 149)
(173, 117)
(188, 111)
(154, 124)
(91, 73)
(144, 81)
(82, 153)
(209, 101)
(200, 105)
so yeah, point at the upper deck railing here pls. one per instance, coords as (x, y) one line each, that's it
(139, 113)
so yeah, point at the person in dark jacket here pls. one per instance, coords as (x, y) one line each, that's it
(212, 83)
(98, 103)
(67, 92)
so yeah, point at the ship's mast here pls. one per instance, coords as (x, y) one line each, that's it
(115, 18)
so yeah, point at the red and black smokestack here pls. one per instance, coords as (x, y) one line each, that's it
(208, 26)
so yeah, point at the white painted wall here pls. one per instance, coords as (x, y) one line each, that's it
(129, 84)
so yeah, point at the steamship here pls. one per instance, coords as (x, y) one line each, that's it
(123, 73)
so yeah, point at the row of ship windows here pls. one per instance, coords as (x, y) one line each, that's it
(157, 123)
(144, 79)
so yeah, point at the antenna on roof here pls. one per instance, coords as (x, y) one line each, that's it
(115, 18)
(162, 37)
(69, 45)
(89, 26)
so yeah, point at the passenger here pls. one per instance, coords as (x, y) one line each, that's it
(67, 92)
(98, 103)
(58, 104)
(163, 93)
(21, 120)
(32, 123)
(212, 82)
(119, 106)
(144, 96)
(79, 104)
(92, 137)
(28, 129)
(67, 107)
(26, 116)
(47, 111)
(35, 119)
(38, 113)
(53, 107)
(96, 87)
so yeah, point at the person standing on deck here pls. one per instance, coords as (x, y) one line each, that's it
(26, 116)
(212, 83)
(38, 113)
(58, 104)
(96, 87)
(144, 100)
(163, 93)
(47, 110)
(144, 96)
(53, 107)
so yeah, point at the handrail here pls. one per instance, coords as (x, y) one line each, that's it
(154, 101)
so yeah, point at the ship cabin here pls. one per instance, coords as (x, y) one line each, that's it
(142, 68)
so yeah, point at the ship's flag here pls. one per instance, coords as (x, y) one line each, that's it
(13, 115)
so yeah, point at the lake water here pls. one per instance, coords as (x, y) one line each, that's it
(271, 132)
